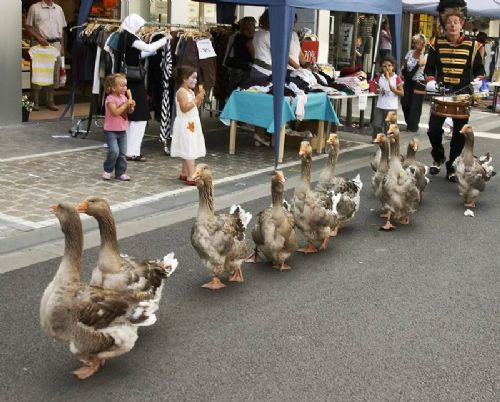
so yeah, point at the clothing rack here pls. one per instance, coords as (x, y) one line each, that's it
(76, 127)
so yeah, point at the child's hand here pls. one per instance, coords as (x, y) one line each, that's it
(131, 103)
(201, 93)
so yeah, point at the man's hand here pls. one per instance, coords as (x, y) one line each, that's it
(43, 41)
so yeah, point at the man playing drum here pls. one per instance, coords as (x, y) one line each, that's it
(453, 62)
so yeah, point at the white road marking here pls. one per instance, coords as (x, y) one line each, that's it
(65, 151)
(170, 193)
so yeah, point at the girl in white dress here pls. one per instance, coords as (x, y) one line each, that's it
(188, 142)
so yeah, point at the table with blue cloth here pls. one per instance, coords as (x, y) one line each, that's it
(256, 108)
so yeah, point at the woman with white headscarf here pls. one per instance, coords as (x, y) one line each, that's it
(136, 49)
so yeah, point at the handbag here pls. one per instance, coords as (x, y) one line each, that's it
(133, 73)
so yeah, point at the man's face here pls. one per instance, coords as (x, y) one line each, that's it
(454, 25)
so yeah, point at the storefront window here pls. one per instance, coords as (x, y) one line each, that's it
(160, 10)
(105, 9)
(201, 12)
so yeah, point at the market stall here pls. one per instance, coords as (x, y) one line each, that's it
(281, 13)
(257, 109)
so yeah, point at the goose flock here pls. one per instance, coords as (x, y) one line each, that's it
(100, 319)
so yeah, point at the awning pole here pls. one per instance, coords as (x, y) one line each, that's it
(375, 48)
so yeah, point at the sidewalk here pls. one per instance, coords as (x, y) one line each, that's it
(40, 164)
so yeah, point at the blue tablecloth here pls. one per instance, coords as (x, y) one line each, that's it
(257, 109)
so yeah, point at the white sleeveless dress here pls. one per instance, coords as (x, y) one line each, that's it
(187, 136)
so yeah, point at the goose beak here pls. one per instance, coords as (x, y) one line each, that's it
(280, 176)
(82, 207)
(53, 208)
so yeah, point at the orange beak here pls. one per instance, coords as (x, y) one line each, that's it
(53, 208)
(82, 207)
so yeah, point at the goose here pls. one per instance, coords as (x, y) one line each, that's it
(391, 119)
(97, 323)
(119, 271)
(396, 190)
(350, 190)
(417, 168)
(315, 213)
(219, 239)
(472, 173)
(274, 232)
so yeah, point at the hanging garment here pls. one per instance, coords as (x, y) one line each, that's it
(166, 69)
(43, 59)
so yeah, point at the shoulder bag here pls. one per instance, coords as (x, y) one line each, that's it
(133, 73)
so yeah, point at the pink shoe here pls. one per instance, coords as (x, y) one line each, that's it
(123, 177)
(106, 175)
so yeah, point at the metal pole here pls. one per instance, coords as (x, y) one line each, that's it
(375, 48)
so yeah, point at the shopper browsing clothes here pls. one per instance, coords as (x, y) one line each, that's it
(455, 74)
(389, 88)
(188, 142)
(135, 49)
(413, 75)
(117, 106)
(45, 22)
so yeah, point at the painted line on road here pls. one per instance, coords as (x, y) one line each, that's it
(170, 193)
(65, 151)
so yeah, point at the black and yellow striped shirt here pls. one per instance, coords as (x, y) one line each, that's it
(452, 65)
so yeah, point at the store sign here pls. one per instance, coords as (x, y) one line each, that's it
(205, 49)
(310, 49)
(161, 7)
(346, 31)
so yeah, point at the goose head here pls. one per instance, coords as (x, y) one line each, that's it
(392, 117)
(467, 130)
(305, 150)
(94, 206)
(277, 187)
(381, 140)
(393, 131)
(66, 213)
(202, 175)
(334, 142)
(414, 144)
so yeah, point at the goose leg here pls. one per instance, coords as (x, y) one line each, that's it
(335, 231)
(252, 257)
(214, 284)
(324, 243)
(405, 220)
(388, 225)
(282, 266)
(89, 368)
(309, 249)
(385, 214)
(471, 204)
(236, 276)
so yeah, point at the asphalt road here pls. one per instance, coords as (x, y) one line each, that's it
(407, 315)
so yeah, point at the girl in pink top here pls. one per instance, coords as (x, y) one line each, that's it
(117, 105)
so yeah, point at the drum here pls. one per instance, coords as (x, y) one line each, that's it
(447, 106)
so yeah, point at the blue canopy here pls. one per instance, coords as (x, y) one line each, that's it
(281, 17)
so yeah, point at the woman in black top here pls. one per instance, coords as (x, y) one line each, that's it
(242, 54)
(136, 49)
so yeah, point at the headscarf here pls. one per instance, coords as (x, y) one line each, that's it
(132, 23)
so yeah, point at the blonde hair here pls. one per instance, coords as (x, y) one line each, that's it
(110, 81)
(418, 38)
